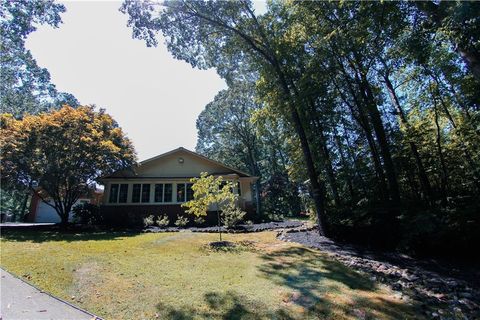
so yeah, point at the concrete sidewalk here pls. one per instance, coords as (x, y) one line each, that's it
(21, 301)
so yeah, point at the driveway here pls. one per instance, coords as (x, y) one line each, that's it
(21, 301)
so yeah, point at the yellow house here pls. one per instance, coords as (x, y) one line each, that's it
(160, 185)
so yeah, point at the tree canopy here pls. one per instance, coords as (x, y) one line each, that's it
(25, 87)
(59, 155)
(372, 106)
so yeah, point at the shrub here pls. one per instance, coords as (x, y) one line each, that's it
(181, 222)
(199, 220)
(149, 221)
(232, 215)
(162, 221)
(87, 213)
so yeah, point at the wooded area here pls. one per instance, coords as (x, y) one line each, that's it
(365, 112)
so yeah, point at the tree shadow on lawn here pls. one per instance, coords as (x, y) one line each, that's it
(228, 305)
(232, 306)
(317, 279)
(39, 236)
(316, 288)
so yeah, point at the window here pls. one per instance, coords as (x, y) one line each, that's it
(145, 193)
(158, 197)
(122, 196)
(239, 190)
(167, 192)
(163, 192)
(136, 192)
(113, 193)
(181, 192)
(189, 191)
(184, 192)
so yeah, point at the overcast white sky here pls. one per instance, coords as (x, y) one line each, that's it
(155, 98)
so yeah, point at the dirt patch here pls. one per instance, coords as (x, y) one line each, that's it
(228, 246)
(86, 280)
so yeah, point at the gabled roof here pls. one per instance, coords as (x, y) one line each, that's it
(131, 171)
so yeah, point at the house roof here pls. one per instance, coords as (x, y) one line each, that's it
(131, 172)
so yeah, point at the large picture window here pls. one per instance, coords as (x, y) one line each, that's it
(145, 193)
(113, 193)
(123, 194)
(136, 192)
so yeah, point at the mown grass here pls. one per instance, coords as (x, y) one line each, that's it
(175, 276)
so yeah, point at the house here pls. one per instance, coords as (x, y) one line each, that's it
(42, 212)
(159, 186)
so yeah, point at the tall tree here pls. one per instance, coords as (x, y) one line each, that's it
(25, 87)
(222, 34)
(226, 134)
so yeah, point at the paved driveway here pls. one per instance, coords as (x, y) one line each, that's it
(21, 301)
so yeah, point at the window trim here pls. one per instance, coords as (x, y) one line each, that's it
(119, 192)
(139, 193)
(110, 194)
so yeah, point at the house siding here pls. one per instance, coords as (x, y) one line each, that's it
(134, 215)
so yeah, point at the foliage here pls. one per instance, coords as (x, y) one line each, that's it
(162, 221)
(149, 221)
(209, 191)
(15, 202)
(364, 100)
(181, 221)
(25, 87)
(199, 221)
(232, 215)
(61, 154)
(87, 213)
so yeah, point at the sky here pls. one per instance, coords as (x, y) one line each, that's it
(154, 98)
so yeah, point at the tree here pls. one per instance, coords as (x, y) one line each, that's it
(225, 35)
(226, 134)
(25, 86)
(209, 190)
(60, 154)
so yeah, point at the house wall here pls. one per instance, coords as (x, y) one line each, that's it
(170, 166)
(133, 215)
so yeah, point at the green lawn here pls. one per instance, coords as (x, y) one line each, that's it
(174, 275)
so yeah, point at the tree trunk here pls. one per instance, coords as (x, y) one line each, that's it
(468, 156)
(379, 129)
(365, 125)
(344, 165)
(354, 159)
(257, 196)
(444, 174)
(23, 208)
(317, 186)
(327, 160)
(472, 60)
(424, 181)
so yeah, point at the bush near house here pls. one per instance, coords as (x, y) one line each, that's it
(87, 213)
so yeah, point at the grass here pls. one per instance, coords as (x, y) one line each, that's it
(178, 276)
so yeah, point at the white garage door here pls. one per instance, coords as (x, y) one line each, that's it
(46, 213)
